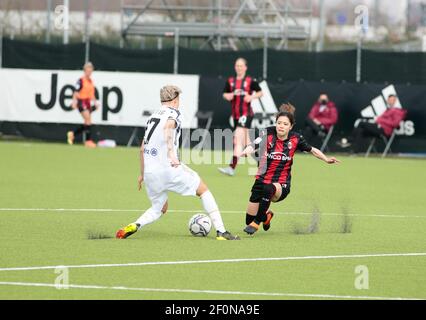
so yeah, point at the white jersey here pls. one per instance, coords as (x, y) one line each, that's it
(155, 152)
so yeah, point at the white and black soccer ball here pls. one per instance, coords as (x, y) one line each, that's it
(200, 225)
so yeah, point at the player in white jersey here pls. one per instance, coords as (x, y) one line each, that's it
(163, 172)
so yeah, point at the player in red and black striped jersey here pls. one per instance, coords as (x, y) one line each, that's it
(277, 146)
(240, 90)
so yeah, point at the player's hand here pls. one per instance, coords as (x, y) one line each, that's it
(140, 181)
(317, 121)
(248, 98)
(332, 160)
(228, 96)
(248, 150)
(174, 162)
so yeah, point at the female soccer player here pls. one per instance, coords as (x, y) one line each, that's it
(163, 172)
(85, 100)
(277, 148)
(240, 90)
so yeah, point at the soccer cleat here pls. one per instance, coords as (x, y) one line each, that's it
(267, 223)
(228, 171)
(251, 228)
(127, 231)
(226, 236)
(70, 137)
(90, 144)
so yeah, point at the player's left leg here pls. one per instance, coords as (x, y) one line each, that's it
(266, 195)
(251, 211)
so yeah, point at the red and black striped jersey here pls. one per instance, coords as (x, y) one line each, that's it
(240, 88)
(276, 156)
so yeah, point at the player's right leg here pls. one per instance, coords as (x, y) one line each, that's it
(264, 194)
(211, 208)
(238, 141)
(149, 216)
(154, 186)
(88, 125)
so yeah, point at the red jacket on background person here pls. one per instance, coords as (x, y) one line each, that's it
(327, 115)
(390, 119)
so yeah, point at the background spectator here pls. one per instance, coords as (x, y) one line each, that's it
(322, 116)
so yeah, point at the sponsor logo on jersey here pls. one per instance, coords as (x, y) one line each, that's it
(239, 92)
(278, 156)
(154, 152)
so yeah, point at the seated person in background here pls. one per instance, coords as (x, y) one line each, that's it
(382, 125)
(322, 116)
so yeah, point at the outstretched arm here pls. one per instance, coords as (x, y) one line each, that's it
(251, 148)
(318, 154)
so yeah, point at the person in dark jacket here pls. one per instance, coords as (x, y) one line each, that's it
(322, 116)
(384, 125)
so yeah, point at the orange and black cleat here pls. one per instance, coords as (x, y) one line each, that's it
(267, 223)
(251, 228)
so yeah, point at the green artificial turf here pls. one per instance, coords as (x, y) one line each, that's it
(360, 207)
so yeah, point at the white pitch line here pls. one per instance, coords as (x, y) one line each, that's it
(195, 211)
(273, 294)
(156, 263)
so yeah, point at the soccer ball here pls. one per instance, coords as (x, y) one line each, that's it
(199, 225)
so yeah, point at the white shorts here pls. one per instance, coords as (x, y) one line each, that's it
(181, 180)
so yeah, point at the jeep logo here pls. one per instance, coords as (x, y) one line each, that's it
(66, 93)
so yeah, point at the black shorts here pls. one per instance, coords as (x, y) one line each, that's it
(257, 191)
(243, 122)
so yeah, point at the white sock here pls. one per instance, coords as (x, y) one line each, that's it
(212, 210)
(148, 217)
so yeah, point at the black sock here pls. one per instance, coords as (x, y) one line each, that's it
(249, 218)
(79, 130)
(264, 203)
(87, 129)
(234, 162)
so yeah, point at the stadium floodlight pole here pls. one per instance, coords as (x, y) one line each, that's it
(87, 32)
(310, 25)
(287, 9)
(358, 57)
(176, 53)
(121, 24)
(48, 22)
(424, 43)
(265, 56)
(1, 45)
(361, 22)
(66, 21)
(219, 22)
(320, 43)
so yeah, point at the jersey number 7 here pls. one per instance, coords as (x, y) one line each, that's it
(152, 124)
